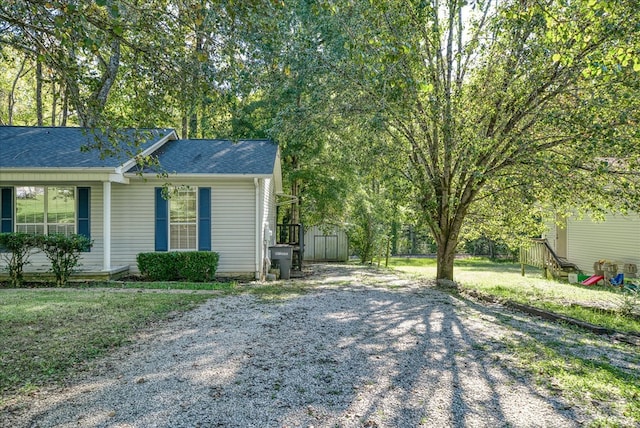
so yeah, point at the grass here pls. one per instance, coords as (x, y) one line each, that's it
(612, 395)
(503, 280)
(46, 335)
(167, 285)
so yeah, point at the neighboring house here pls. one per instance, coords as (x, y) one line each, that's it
(584, 241)
(223, 195)
(326, 243)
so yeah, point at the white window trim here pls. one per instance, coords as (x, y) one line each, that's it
(197, 243)
(45, 223)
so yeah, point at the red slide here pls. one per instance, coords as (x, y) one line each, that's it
(592, 280)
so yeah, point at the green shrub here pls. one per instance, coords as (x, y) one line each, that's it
(158, 266)
(63, 251)
(198, 266)
(16, 249)
(194, 266)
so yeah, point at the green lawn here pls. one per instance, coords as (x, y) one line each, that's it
(504, 280)
(167, 285)
(46, 334)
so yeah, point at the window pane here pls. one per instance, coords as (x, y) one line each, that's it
(61, 205)
(29, 204)
(183, 236)
(30, 228)
(183, 206)
(66, 229)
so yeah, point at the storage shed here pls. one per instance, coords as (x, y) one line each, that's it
(326, 243)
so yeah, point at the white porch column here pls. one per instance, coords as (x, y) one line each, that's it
(106, 225)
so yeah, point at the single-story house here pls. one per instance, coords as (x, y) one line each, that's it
(326, 243)
(583, 241)
(222, 194)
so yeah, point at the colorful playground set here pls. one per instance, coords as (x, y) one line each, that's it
(608, 273)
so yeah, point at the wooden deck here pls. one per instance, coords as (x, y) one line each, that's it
(540, 254)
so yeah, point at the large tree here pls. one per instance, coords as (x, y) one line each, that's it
(491, 106)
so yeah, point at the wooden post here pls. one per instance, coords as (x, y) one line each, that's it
(522, 269)
(386, 262)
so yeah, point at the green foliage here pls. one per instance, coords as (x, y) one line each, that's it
(18, 247)
(63, 251)
(196, 266)
(158, 266)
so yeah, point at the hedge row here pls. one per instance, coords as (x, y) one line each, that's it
(194, 266)
(63, 251)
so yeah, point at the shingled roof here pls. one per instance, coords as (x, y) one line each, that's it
(61, 147)
(249, 157)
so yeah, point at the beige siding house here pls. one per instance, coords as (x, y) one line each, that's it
(583, 241)
(222, 196)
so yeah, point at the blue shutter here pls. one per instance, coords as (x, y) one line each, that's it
(6, 212)
(162, 221)
(84, 214)
(204, 219)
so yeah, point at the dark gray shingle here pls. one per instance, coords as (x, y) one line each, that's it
(251, 157)
(60, 147)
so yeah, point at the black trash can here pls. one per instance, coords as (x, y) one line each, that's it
(282, 254)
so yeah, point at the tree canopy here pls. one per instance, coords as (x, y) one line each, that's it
(470, 115)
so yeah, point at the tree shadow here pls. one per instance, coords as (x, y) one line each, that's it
(339, 355)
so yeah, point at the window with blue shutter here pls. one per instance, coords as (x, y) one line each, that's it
(6, 209)
(204, 219)
(84, 213)
(162, 221)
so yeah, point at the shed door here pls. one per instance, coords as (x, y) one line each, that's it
(325, 247)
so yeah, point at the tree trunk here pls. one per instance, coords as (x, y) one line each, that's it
(65, 107)
(184, 126)
(193, 125)
(12, 94)
(54, 94)
(445, 256)
(39, 114)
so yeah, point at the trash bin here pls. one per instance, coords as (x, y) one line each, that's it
(283, 255)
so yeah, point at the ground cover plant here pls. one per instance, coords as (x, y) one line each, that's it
(45, 335)
(605, 306)
(166, 285)
(584, 381)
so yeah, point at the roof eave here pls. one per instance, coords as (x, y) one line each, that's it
(195, 175)
(148, 151)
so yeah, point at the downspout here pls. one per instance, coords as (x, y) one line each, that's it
(257, 235)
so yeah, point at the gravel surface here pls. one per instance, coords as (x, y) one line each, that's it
(356, 349)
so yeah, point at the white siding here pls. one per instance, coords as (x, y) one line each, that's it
(616, 239)
(232, 222)
(89, 260)
(132, 222)
(267, 222)
(551, 233)
(269, 204)
(233, 225)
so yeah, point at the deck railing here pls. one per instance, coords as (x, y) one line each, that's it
(292, 234)
(540, 254)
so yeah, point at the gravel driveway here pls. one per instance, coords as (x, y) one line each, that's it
(353, 350)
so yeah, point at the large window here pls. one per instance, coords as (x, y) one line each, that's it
(46, 209)
(183, 219)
